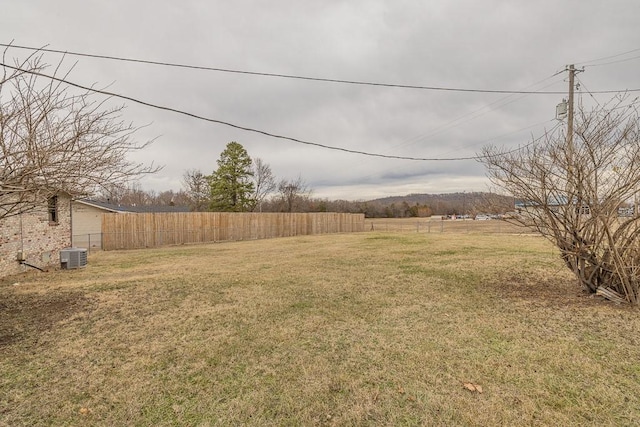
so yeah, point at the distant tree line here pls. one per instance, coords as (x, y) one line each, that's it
(243, 184)
(238, 184)
(447, 204)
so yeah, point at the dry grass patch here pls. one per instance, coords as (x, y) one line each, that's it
(361, 329)
(432, 225)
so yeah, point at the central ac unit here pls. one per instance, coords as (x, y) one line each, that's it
(73, 258)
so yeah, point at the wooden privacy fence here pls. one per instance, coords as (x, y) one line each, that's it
(146, 230)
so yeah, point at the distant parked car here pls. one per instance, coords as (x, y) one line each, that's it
(625, 212)
(482, 217)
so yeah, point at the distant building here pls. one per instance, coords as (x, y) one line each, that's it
(35, 238)
(87, 219)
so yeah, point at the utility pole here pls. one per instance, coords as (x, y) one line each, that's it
(572, 75)
(572, 185)
(570, 188)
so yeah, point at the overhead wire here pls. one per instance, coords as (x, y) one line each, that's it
(514, 150)
(633, 104)
(587, 90)
(289, 76)
(318, 79)
(500, 103)
(452, 123)
(148, 104)
(471, 116)
(534, 141)
(613, 62)
(245, 128)
(211, 120)
(604, 58)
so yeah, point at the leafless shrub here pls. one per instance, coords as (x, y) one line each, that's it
(574, 195)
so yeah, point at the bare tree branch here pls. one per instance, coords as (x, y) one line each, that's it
(55, 140)
(264, 182)
(292, 193)
(196, 185)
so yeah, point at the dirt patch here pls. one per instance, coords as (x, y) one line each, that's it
(555, 290)
(24, 316)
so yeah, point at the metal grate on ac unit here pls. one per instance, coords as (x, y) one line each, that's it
(73, 258)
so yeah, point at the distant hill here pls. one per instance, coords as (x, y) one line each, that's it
(424, 198)
(449, 203)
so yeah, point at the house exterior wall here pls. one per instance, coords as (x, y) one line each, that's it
(35, 237)
(87, 226)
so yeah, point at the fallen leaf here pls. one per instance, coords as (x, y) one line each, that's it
(473, 387)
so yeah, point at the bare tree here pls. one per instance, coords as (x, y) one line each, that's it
(196, 185)
(572, 195)
(171, 198)
(264, 182)
(53, 139)
(112, 194)
(292, 193)
(135, 195)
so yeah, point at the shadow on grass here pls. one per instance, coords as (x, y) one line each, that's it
(559, 289)
(24, 316)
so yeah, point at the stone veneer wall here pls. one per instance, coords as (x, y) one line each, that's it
(39, 241)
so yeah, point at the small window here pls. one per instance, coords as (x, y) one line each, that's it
(53, 209)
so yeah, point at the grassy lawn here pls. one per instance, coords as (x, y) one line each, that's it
(361, 329)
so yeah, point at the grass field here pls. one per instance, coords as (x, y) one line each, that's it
(356, 329)
(429, 225)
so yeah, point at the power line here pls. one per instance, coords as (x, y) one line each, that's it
(584, 63)
(581, 83)
(514, 150)
(474, 114)
(291, 76)
(614, 62)
(248, 129)
(546, 133)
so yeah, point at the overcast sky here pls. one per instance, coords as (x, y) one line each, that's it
(472, 44)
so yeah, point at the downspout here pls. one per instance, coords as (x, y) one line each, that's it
(21, 239)
(71, 220)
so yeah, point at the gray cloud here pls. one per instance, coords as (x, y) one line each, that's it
(487, 45)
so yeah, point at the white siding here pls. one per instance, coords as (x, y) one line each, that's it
(87, 226)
